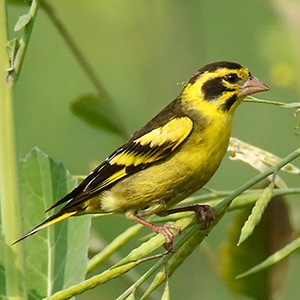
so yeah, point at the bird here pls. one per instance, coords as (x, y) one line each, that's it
(171, 157)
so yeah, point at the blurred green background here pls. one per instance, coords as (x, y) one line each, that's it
(139, 50)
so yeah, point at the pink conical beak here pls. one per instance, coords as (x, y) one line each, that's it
(252, 85)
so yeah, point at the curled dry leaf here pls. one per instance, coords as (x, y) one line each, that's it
(258, 158)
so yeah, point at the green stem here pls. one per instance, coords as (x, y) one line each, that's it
(92, 282)
(118, 242)
(46, 6)
(24, 41)
(262, 101)
(10, 206)
(82, 60)
(222, 207)
(191, 239)
(247, 198)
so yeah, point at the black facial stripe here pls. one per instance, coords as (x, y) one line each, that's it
(213, 67)
(229, 102)
(214, 88)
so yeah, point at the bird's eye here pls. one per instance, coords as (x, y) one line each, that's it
(231, 78)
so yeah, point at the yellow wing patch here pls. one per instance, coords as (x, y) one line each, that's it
(132, 157)
(155, 144)
(175, 131)
(114, 177)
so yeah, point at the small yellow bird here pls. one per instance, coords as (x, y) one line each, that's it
(171, 157)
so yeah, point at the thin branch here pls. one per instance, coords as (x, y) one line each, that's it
(262, 101)
(23, 43)
(73, 47)
(194, 237)
(222, 207)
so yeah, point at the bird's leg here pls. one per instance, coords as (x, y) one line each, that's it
(204, 213)
(164, 230)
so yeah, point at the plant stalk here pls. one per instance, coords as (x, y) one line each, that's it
(24, 41)
(10, 207)
(223, 206)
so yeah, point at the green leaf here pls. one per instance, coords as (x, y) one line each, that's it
(166, 294)
(98, 112)
(256, 213)
(56, 257)
(131, 297)
(22, 22)
(92, 282)
(184, 248)
(12, 48)
(274, 258)
(271, 234)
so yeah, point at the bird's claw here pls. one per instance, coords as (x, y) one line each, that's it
(165, 230)
(204, 214)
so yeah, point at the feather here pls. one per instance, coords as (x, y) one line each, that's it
(133, 156)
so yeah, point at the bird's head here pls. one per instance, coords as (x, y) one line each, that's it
(223, 85)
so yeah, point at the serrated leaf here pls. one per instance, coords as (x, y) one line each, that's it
(56, 257)
(271, 234)
(22, 22)
(97, 112)
(256, 213)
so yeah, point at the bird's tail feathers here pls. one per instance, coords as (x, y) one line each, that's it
(50, 221)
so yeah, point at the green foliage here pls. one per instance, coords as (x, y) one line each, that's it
(273, 259)
(56, 258)
(22, 22)
(98, 112)
(141, 48)
(256, 214)
(270, 234)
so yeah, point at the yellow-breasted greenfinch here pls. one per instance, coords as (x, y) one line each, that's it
(170, 158)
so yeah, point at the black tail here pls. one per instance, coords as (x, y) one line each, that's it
(50, 221)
